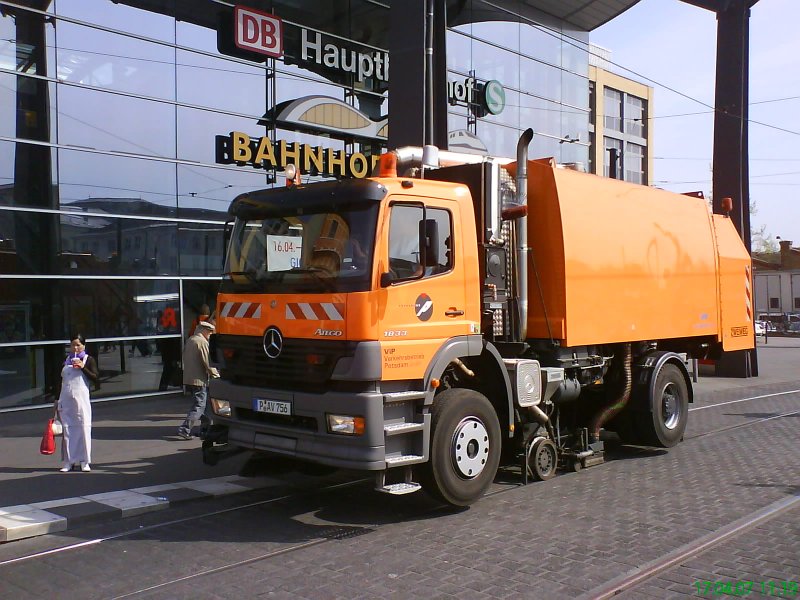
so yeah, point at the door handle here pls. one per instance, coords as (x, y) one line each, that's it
(453, 312)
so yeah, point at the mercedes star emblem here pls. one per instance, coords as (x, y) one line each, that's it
(273, 342)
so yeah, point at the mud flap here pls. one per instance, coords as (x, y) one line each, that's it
(215, 445)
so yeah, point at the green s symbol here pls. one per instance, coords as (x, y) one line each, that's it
(494, 96)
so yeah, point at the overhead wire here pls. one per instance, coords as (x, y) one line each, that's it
(545, 29)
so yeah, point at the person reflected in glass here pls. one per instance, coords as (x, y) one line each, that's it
(74, 406)
(170, 349)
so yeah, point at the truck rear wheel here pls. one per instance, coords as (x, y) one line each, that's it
(465, 447)
(664, 424)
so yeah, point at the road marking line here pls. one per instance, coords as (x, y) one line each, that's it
(744, 400)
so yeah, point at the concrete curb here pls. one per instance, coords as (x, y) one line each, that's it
(40, 518)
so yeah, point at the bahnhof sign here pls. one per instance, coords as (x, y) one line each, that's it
(127, 127)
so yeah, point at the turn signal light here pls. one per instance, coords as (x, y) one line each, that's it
(221, 407)
(346, 424)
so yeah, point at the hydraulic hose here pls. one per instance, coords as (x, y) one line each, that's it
(619, 402)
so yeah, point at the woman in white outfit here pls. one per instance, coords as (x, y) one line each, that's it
(74, 406)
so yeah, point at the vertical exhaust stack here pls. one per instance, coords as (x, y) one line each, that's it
(428, 141)
(522, 231)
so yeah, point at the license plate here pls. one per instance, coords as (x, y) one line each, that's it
(275, 407)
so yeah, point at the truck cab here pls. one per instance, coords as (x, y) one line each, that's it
(340, 303)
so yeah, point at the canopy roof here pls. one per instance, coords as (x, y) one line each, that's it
(583, 14)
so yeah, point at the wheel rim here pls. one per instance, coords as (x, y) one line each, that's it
(670, 406)
(545, 459)
(470, 447)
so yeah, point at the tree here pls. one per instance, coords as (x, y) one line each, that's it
(760, 240)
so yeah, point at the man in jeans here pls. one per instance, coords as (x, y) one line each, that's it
(196, 373)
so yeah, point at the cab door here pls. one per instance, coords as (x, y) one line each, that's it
(423, 284)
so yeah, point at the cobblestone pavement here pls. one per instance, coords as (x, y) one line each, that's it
(564, 538)
(761, 562)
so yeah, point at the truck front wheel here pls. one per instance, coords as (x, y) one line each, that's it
(465, 447)
(663, 425)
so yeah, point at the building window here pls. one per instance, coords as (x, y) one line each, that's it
(774, 303)
(608, 144)
(634, 115)
(797, 303)
(634, 163)
(612, 109)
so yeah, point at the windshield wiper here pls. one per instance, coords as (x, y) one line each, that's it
(316, 273)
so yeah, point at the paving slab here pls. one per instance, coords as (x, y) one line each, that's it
(15, 526)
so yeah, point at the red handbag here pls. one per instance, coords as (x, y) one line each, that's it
(48, 445)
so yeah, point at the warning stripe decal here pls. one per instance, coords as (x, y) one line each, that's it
(315, 311)
(241, 310)
(748, 295)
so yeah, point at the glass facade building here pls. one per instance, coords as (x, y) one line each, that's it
(128, 126)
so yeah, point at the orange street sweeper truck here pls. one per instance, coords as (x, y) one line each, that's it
(453, 313)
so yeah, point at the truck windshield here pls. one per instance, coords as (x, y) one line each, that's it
(309, 252)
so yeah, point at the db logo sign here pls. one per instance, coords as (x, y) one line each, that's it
(258, 31)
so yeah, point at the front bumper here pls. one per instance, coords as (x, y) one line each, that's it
(304, 436)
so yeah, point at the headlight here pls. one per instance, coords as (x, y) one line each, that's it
(221, 407)
(345, 424)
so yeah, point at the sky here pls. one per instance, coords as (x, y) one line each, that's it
(674, 44)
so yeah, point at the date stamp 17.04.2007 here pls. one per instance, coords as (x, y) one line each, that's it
(778, 588)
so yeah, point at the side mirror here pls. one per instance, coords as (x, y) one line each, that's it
(387, 279)
(429, 242)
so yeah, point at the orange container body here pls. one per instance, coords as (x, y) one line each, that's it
(619, 262)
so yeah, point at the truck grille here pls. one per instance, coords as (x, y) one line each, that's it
(246, 414)
(303, 365)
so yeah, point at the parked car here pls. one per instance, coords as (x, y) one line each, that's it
(773, 322)
(761, 328)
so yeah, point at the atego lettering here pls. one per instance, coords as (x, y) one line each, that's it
(328, 332)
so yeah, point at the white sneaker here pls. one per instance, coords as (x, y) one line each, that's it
(66, 468)
(85, 467)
